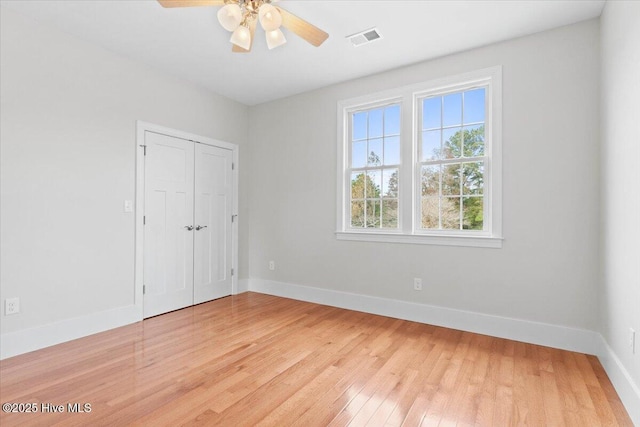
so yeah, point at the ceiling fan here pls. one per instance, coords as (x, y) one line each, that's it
(241, 17)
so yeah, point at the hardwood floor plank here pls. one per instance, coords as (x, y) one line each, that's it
(392, 379)
(448, 340)
(302, 400)
(486, 404)
(622, 418)
(255, 359)
(329, 404)
(551, 398)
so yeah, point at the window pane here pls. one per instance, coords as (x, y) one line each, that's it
(357, 185)
(474, 106)
(359, 126)
(359, 154)
(451, 179)
(431, 145)
(375, 123)
(374, 157)
(357, 214)
(390, 183)
(373, 214)
(392, 150)
(374, 182)
(473, 178)
(473, 213)
(450, 208)
(390, 213)
(452, 109)
(451, 143)
(392, 120)
(431, 110)
(430, 212)
(474, 141)
(431, 180)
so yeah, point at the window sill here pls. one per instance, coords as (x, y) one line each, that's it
(468, 241)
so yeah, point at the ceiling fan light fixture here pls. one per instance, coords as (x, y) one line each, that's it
(270, 18)
(241, 37)
(241, 17)
(230, 17)
(275, 38)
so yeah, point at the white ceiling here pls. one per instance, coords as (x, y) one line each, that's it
(189, 42)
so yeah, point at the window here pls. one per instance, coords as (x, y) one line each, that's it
(422, 164)
(374, 161)
(452, 160)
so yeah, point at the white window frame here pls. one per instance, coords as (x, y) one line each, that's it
(347, 182)
(409, 98)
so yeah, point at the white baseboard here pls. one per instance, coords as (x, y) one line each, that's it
(561, 337)
(24, 341)
(243, 286)
(622, 381)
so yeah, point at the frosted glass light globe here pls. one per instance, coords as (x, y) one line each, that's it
(241, 37)
(230, 17)
(270, 18)
(275, 38)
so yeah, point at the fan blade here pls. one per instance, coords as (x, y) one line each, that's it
(252, 29)
(302, 28)
(190, 3)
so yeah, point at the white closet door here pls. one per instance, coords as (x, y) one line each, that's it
(168, 242)
(213, 204)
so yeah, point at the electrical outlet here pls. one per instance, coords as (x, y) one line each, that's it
(11, 306)
(417, 284)
(632, 340)
(272, 265)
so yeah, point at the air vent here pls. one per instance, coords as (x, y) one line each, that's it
(364, 37)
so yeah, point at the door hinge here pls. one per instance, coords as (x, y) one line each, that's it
(144, 220)
(232, 271)
(233, 166)
(144, 289)
(233, 218)
(144, 147)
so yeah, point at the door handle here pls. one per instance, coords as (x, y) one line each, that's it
(189, 227)
(200, 227)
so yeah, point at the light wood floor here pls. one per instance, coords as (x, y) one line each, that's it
(254, 359)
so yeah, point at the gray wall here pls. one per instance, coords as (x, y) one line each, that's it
(547, 270)
(620, 231)
(68, 123)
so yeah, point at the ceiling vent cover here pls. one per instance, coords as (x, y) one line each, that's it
(364, 37)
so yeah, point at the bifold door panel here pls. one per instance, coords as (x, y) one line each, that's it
(168, 245)
(212, 262)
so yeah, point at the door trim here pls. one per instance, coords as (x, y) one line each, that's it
(141, 128)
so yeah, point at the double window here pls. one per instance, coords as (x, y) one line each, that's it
(422, 164)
